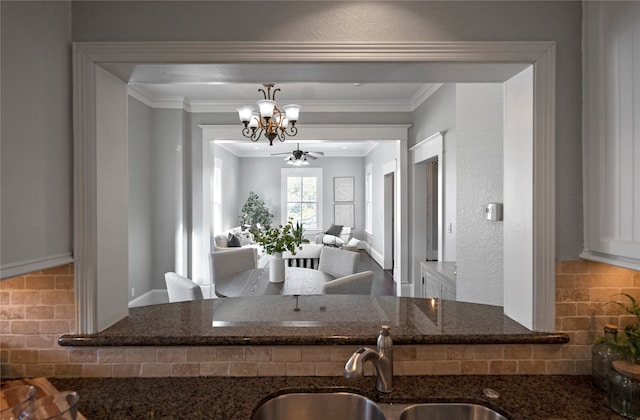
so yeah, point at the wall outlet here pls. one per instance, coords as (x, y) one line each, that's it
(133, 291)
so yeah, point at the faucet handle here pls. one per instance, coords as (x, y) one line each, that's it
(384, 339)
(385, 330)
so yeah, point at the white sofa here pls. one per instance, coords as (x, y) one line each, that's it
(221, 243)
(337, 241)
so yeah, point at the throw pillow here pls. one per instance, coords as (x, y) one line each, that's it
(334, 230)
(233, 241)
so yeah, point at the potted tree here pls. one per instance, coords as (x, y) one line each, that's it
(275, 241)
(255, 213)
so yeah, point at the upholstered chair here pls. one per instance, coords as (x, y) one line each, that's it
(181, 289)
(338, 262)
(353, 284)
(232, 261)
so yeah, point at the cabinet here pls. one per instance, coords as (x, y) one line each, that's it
(438, 279)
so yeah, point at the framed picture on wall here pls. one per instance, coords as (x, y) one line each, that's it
(343, 188)
(343, 214)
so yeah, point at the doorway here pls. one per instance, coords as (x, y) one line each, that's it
(432, 206)
(389, 221)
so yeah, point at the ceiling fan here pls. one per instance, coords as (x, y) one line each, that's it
(298, 157)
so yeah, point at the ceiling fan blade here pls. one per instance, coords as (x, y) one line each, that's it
(310, 156)
(283, 153)
(317, 153)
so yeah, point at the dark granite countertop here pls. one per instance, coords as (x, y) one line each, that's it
(313, 320)
(521, 397)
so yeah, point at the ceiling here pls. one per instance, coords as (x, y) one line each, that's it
(323, 87)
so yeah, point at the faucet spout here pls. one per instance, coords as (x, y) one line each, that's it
(382, 360)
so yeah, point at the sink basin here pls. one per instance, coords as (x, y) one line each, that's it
(319, 406)
(449, 411)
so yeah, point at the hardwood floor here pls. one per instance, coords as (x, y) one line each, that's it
(382, 279)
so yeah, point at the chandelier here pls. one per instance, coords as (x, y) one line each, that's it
(269, 121)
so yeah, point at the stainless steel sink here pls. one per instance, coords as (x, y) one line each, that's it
(449, 411)
(319, 406)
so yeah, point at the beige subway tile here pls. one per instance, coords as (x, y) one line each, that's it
(257, 354)
(97, 370)
(584, 337)
(23, 356)
(243, 369)
(126, 370)
(13, 370)
(531, 367)
(622, 280)
(474, 367)
(4, 356)
(447, 367)
(14, 283)
(80, 355)
(286, 354)
(603, 294)
(576, 323)
(301, 369)
(229, 354)
(13, 341)
(460, 352)
(272, 369)
(54, 356)
(39, 283)
(141, 354)
(573, 295)
(565, 281)
(503, 367)
(11, 312)
(405, 353)
(315, 354)
(576, 352)
(155, 370)
(112, 355)
(55, 326)
(57, 297)
(517, 351)
(5, 297)
(627, 320)
(61, 269)
(330, 368)
(68, 370)
(341, 353)
(39, 370)
(418, 367)
(586, 309)
(41, 341)
(431, 352)
(64, 282)
(560, 367)
(636, 279)
(25, 297)
(172, 355)
(64, 311)
(567, 309)
(488, 351)
(38, 312)
(201, 354)
(546, 351)
(185, 369)
(25, 327)
(583, 367)
(5, 328)
(214, 369)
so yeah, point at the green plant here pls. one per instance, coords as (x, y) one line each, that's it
(627, 342)
(280, 239)
(254, 212)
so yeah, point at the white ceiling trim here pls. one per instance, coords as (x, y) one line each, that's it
(179, 102)
(424, 94)
(335, 132)
(313, 106)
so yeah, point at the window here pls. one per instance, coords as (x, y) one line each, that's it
(368, 199)
(302, 196)
(216, 196)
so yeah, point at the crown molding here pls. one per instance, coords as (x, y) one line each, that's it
(178, 102)
(424, 94)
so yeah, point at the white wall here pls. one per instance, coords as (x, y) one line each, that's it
(141, 238)
(479, 136)
(36, 147)
(232, 196)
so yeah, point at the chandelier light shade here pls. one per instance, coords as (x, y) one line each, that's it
(269, 120)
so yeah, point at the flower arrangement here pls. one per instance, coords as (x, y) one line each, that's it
(280, 239)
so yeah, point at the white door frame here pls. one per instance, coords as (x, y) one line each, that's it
(88, 56)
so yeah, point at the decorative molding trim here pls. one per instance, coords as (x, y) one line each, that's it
(25, 267)
(86, 56)
(424, 94)
(313, 106)
(611, 259)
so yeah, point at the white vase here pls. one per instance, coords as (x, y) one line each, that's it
(276, 268)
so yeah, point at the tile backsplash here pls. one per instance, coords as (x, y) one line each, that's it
(39, 307)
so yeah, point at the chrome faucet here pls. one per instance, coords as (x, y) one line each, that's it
(382, 361)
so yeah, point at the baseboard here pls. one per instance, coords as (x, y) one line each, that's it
(152, 297)
(377, 257)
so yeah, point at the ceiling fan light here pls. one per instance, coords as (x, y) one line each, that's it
(266, 108)
(292, 111)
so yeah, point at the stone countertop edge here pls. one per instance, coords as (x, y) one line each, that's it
(106, 341)
(528, 397)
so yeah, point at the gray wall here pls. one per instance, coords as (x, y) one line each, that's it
(479, 136)
(141, 241)
(36, 147)
(37, 210)
(233, 196)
